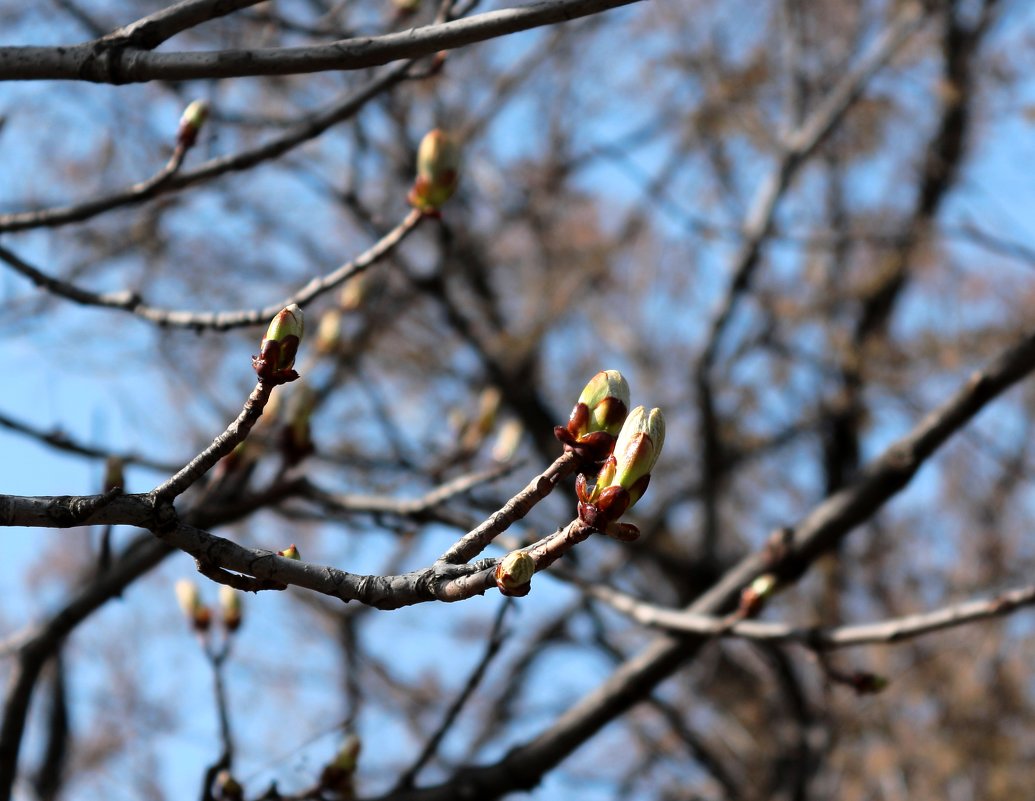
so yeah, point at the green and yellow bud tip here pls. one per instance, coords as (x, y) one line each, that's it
(606, 400)
(514, 572)
(291, 552)
(280, 345)
(191, 120)
(230, 607)
(438, 165)
(638, 447)
(348, 754)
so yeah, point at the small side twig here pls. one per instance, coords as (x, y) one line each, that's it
(478, 539)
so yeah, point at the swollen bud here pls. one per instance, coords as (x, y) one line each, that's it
(280, 346)
(193, 118)
(754, 596)
(597, 417)
(337, 775)
(328, 332)
(199, 615)
(291, 552)
(637, 450)
(230, 607)
(514, 573)
(114, 473)
(624, 475)
(227, 787)
(438, 164)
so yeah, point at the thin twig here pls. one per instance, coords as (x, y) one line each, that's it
(492, 647)
(885, 632)
(477, 540)
(223, 320)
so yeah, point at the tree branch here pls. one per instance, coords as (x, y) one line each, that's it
(107, 61)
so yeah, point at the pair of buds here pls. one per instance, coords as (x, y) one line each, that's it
(625, 445)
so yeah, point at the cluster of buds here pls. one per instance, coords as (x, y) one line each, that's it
(337, 776)
(276, 360)
(624, 475)
(193, 118)
(438, 164)
(597, 417)
(514, 574)
(199, 615)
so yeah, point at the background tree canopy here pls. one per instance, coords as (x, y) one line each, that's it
(799, 228)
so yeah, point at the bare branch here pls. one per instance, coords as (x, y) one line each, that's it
(107, 61)
(223, 320)
(306, 130)
(885, 632)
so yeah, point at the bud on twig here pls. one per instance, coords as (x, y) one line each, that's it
(227, 787)
(514, 574)
(280, 346)
(754, 596)
(328, 332)
(114, 474)
(338, 773)
(597, 417)
(438, 164)
(291, 552)
(625, 474)
(230, 608)
(199, 615)
(296, 438)
(193, 118)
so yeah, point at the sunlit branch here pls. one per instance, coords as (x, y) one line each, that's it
(885, 632)
(118, 62)
(475, 541)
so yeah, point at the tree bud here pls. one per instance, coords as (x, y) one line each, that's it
(114, 473)
(291, 552)
(597, 416)
(624, 475)
(193, 118)
(230, 607)
(280, 345)
(637, 450)
(328, 332)
(337, 775)
(438, 164)
(199, 615)
(514, 573)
